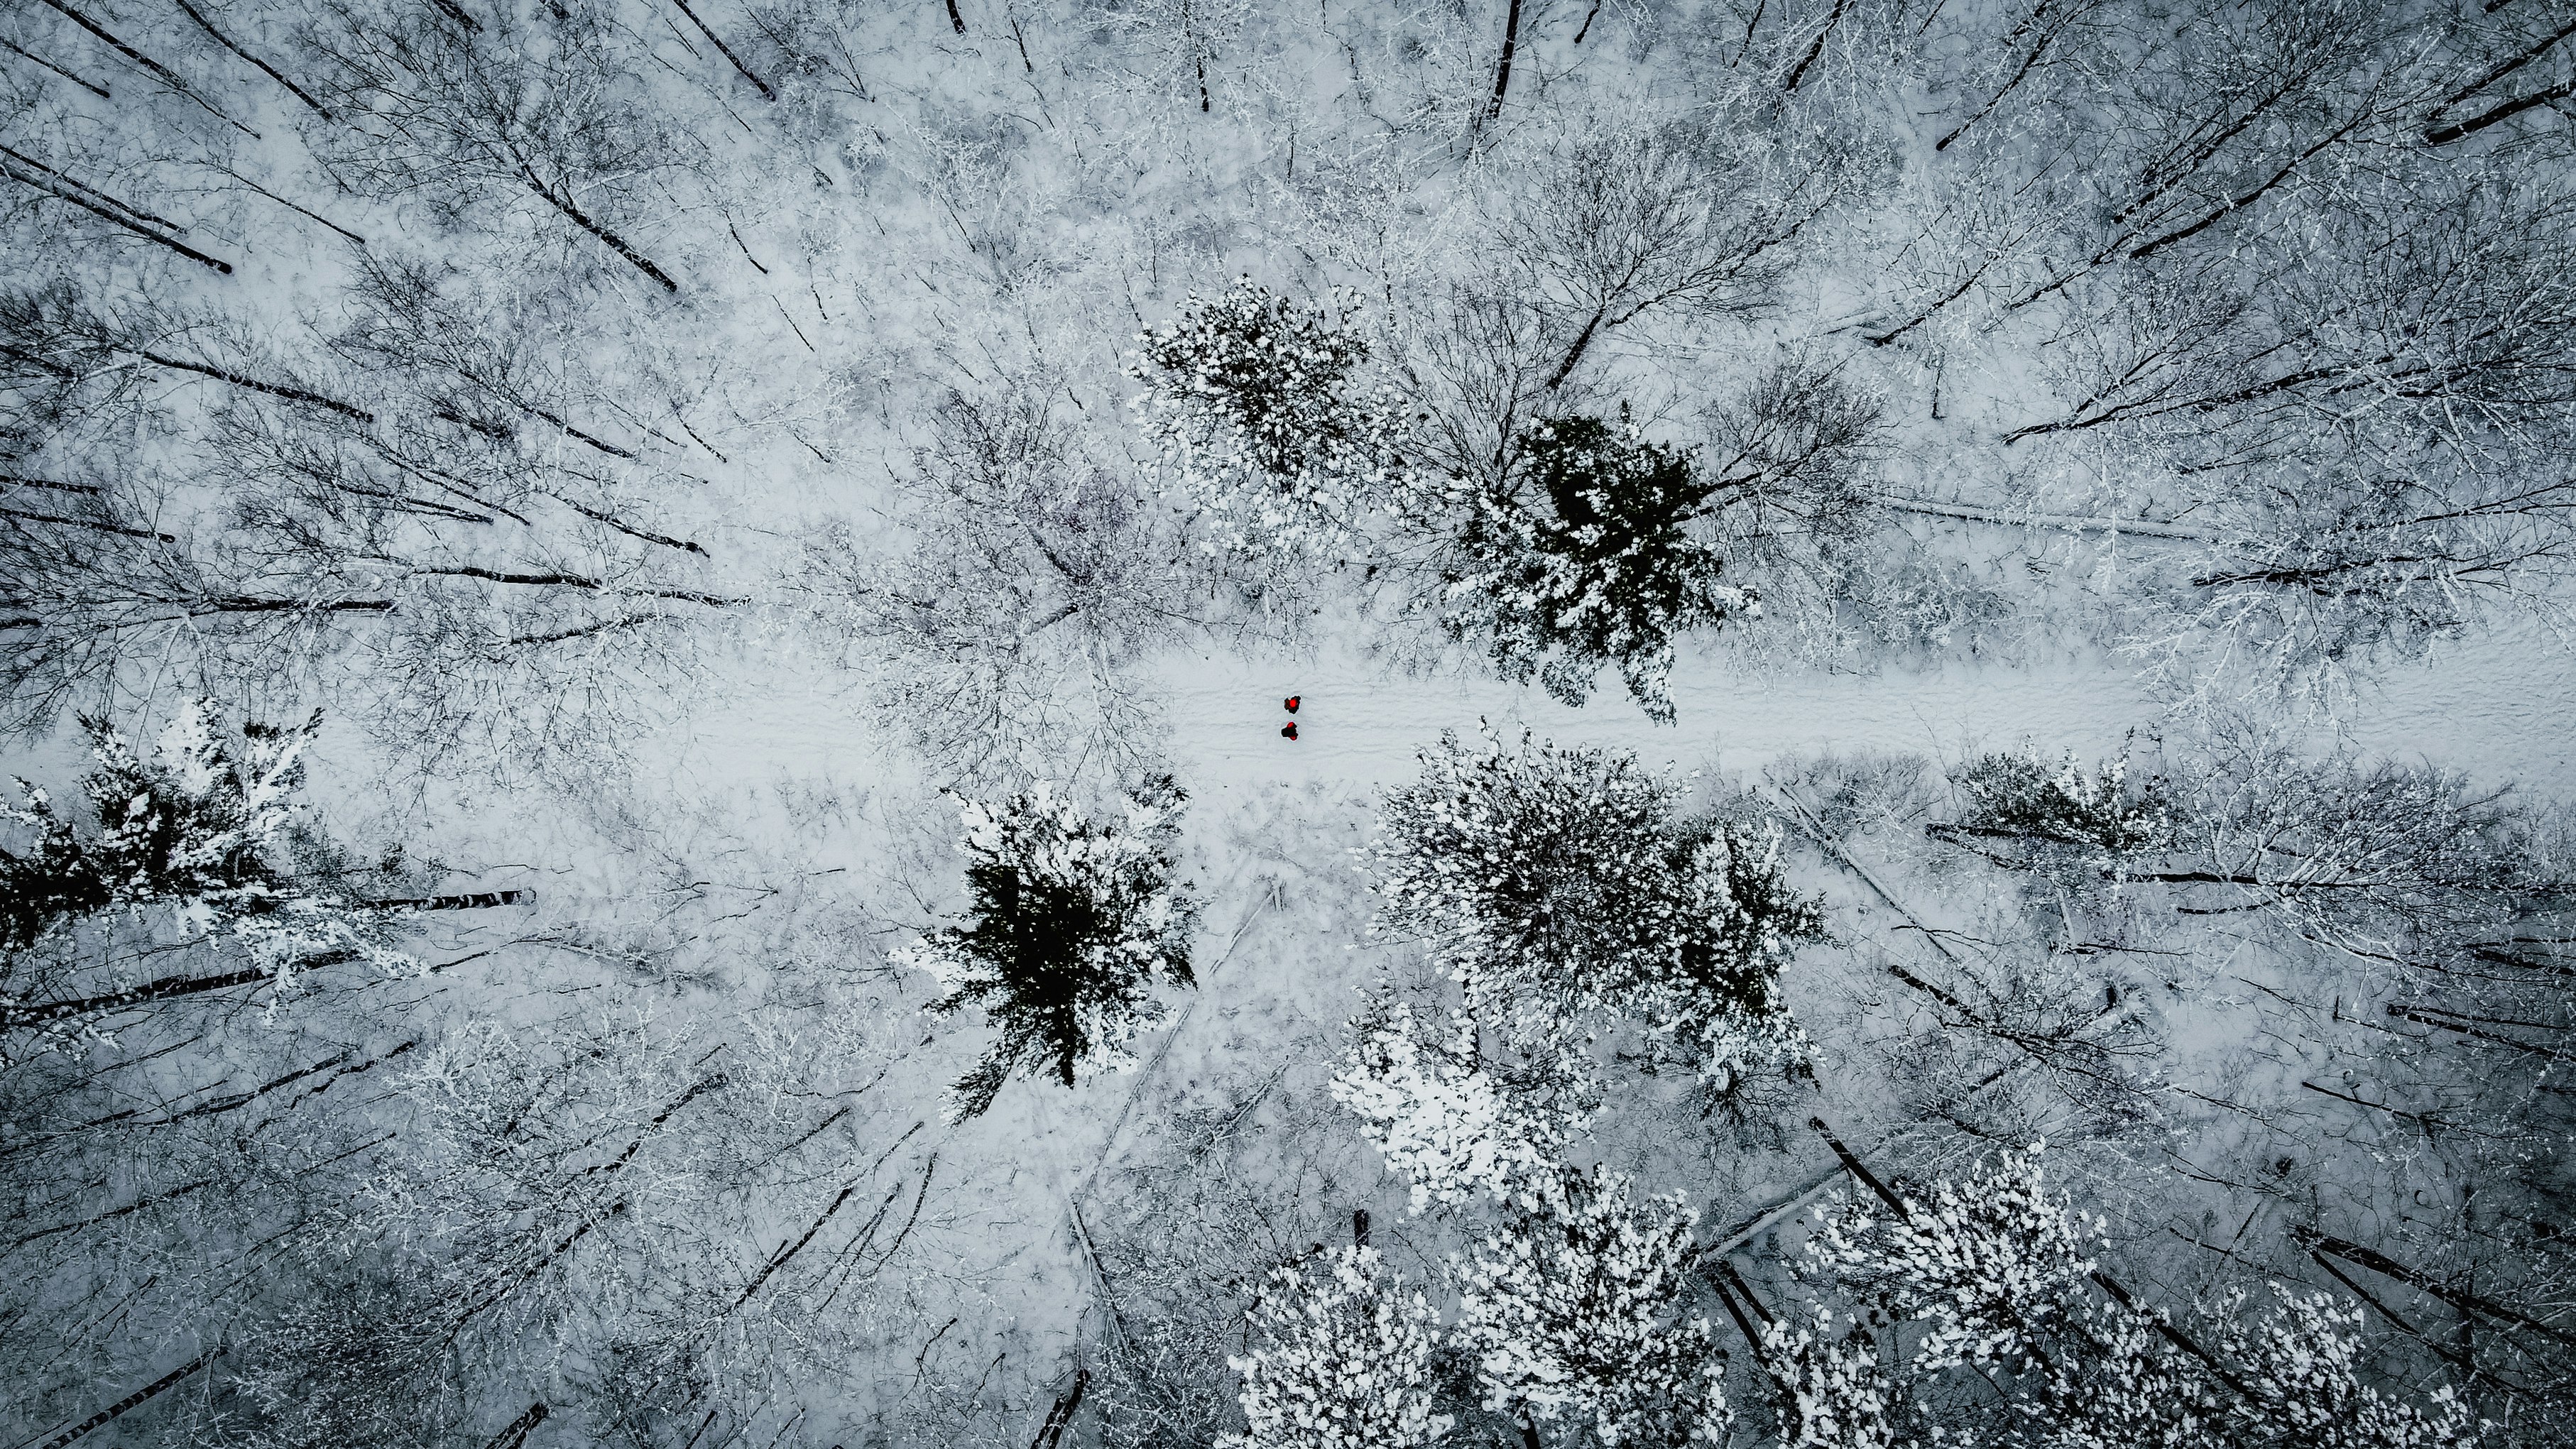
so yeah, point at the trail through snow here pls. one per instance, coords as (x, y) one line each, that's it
(2502, 707)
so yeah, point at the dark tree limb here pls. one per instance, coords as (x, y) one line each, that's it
(2444, 135)
(2029, 63)
(2235, 204)
(88, 523)
(176, 1193)
(265, 68)
(166, 75)
(131, 1401)
(577, 581)
(472, 901)
(91, 86)
(726, 51)
(296, 207)
(597, 516)
(62, 193)
(1574, 354)
(756, 266)
(614, 242)
(583, 631)
(2526, 57)
(1817, 49)
(168, 988)
(2424, 1282)
(1859, 1170)
(2472, 1032)
(1052, 1431)
(17, 481)
(515, 1433)
(291, 394)
(534, 411)
(92, 192)
(779, 1259)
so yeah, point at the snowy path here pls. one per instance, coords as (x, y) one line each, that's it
(2502, 708)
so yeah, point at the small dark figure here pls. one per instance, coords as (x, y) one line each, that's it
(1288, 731)
(1292, 702)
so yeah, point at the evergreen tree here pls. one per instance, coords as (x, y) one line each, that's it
(1075, 921)
(1561, 885)
(1608, 575)
(209, 836)
(1590, 546)
(1256, 402)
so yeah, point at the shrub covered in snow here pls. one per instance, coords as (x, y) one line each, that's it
(2045, 814)
(1834, 1391)
(2301, 1365)
(1573, 1314)
(1457, 1128)
(1343, 1360)
(1991, 1263)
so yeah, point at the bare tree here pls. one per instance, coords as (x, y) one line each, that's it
(1607, 225)
(459, 115)
(1035, 580)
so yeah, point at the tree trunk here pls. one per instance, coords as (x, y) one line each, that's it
(615, 243)
(1051, 1432)
(1817, 49)
(1503, 70)
(472, 901)
(166, 75)
(131, 1400)
(265, 68)
(1574, 354)
(726, 51)
(61, 193)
